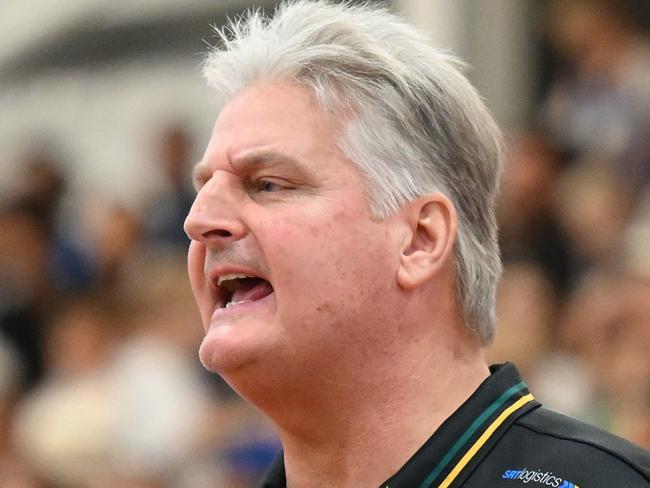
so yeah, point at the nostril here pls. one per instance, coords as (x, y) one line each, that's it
(217, 233)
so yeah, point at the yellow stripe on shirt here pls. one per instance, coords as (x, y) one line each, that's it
(483, 439)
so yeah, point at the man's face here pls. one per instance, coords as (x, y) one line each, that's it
(278, 202)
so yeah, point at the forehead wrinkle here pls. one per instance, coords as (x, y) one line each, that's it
(263, 157)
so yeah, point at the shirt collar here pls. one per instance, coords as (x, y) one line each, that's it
(461, 441)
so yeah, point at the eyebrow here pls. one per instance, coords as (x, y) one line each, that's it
(264, 157)
(247, 162)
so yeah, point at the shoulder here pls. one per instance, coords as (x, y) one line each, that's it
(543, 449)
(567, 442)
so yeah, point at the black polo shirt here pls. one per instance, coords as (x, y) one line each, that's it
(501, 437)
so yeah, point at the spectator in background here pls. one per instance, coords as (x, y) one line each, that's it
(607, 329)
(64, 426)
(41, 186)
(593, 209)
(39, 263)
(528, 309)
(587, 352)
(26, 290)
(13, 471)
(118, 247)
(123, 402)
(529, 230)
(599, 107)
(167, 212)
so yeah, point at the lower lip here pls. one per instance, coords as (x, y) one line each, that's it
(243, 308)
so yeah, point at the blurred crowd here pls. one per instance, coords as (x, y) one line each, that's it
(100, 383)
(574, 211)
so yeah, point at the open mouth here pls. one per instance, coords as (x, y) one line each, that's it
(236, 289)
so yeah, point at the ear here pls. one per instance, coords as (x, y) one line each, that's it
(432, 221)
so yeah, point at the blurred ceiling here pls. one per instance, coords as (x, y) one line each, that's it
(40, 35)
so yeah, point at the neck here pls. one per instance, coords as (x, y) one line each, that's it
(358, 428)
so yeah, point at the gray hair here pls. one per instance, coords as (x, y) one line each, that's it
(418, 125)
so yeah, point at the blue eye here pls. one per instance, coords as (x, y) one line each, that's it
(266, 186)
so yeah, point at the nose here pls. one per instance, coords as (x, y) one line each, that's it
(213, 219)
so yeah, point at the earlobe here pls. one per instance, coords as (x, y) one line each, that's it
(432, 220)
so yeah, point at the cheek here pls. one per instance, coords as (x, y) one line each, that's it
(327, 265)
(195, 268)
(303, 248)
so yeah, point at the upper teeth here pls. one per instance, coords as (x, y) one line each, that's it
(232, 276)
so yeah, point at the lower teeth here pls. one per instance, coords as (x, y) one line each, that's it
(232, 304)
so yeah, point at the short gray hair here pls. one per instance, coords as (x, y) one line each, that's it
(418, 125)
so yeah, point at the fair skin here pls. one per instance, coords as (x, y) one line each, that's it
(350, 340)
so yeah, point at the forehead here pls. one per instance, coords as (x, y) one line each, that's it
(282, 117)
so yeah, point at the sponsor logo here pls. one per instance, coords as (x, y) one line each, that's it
(546, 478)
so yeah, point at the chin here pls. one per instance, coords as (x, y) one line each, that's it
(224, 353)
